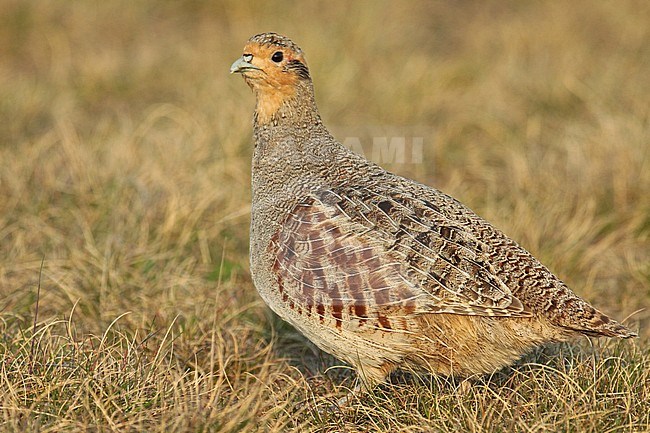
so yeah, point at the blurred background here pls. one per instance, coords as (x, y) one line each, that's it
(125, 145)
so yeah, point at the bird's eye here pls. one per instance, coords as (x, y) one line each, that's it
(277, 56)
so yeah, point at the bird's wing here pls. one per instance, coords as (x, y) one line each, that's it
(357, 256)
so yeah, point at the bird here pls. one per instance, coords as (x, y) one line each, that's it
(378, 270)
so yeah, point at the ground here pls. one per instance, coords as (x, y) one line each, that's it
(125, 298)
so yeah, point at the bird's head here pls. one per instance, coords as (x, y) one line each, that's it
(274, 67)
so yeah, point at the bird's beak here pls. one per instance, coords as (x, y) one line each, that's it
(241, 66)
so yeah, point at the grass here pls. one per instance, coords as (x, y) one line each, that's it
(124, 170)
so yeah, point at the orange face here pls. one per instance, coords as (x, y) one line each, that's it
(273, 70)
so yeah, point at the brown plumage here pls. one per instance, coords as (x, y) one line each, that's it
(379, 270)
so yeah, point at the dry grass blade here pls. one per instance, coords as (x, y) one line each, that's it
(38, 297)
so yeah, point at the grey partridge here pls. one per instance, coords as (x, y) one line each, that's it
(379, 270)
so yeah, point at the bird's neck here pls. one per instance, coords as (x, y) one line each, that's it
(286, 107)
(292, 126)
(293, 150)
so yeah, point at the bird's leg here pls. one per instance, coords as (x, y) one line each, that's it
(367, 378)
(464, 387)
(355, 392)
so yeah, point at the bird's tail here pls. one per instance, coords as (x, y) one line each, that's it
(598, 324)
